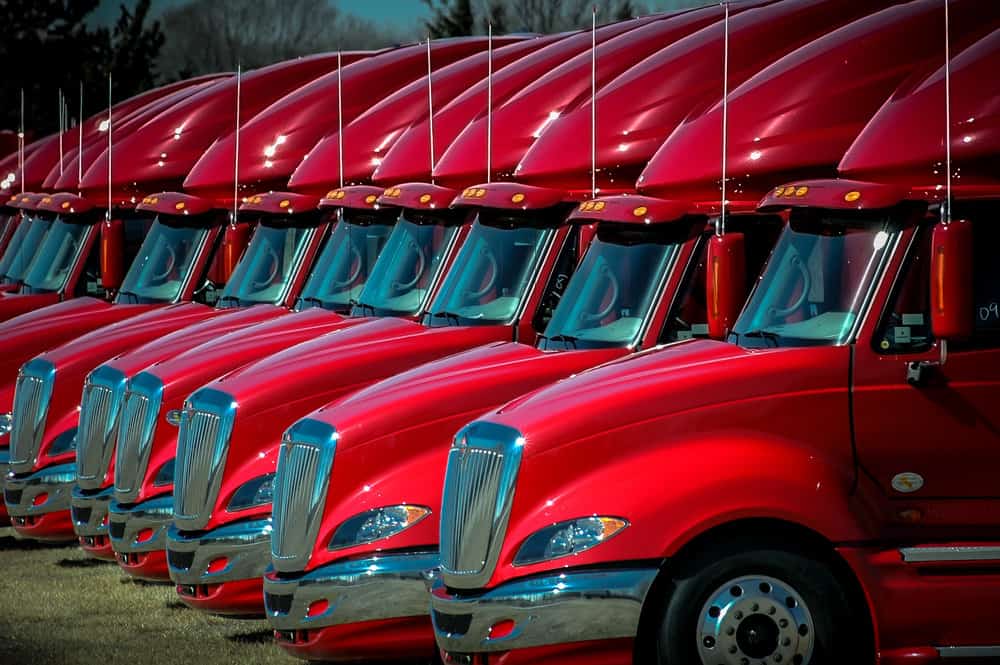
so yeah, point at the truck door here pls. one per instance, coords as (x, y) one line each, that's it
(934, 446)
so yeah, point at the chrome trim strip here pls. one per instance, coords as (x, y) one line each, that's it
(202, 447)
(305, 462)
(969, 652)
(30, 411)
(55, 481)
(950, 553)
(100, 406)
(380, 587)
(137, 427)
(555, 609)
(88, 511)
(478, 495)
(126, 522)
(246, 545)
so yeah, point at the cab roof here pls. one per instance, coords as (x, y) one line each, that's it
(828, 89)
(904, 142)
(357, 197)
(509, 196)
(418, 196)
(279, 203)
(368, 136)
(64, 203)
(836, 194)
(175, 203)
(406, 158)
(633, 209)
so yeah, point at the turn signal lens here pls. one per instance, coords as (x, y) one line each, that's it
(568, 538)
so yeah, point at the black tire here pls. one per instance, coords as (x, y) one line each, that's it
(840, 632)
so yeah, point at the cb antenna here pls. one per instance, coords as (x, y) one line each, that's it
(340, 123)
(489, 104)
(20, 144)
(721, 228)
(593, 104)
(430, 106)
(946, 208)
(79, 140)
(62, 128)
(236, 148)
(107, 215)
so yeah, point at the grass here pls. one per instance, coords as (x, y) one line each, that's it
(59, 607)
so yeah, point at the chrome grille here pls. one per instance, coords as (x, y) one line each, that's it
(304, 465)
(202, 444)
(32, 393)
(478, 492)
(140, 409)
(99, 408)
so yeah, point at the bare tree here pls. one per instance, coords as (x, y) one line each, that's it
(215, 35)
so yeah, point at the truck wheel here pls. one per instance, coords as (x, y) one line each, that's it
(757, 607)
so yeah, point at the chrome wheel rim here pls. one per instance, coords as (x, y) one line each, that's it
(755, 620)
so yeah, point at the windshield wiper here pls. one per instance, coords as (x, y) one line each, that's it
(451, 316)
(129, 294)
(228, 299)
(567, 339)
(362, 306)
(763, 334)
(313, 300)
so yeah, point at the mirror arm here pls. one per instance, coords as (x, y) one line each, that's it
(915, 370)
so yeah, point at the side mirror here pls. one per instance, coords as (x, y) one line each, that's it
(952, 301)
(234, 242)
(112, 253)
(726, 289)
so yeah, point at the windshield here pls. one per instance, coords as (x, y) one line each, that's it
(163, 264)
(55, 258)
(816, 282)
(27, 237)
(264, 272)
(491, 274)
(342, 269)
(406, 269)
(610, 295)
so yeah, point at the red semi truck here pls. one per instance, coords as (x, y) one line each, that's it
(640, 284)
(816, 490)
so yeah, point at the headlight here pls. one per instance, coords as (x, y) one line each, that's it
(6, 423)
(565, 538)
(165, 476)
(256, 492)
(63, 443)
(377, 524)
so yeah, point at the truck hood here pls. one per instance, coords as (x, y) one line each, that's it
(275, 392)
(27, 335)
(394, 436)
(661, 383)
(75, 359)
(210, 331)
(14, 304)
(181, 374)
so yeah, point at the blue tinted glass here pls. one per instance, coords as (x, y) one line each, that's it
(267, 267)
(22, 248)
(343, 266)
(58, 254)
(163, 264)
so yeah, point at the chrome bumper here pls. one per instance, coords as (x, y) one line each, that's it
(556, 609)
(127, 522)
(4, 465)
(89, 510)
(381, 587)
(246, 547)
(20, 492)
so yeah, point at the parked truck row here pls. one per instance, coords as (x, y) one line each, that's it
(673, 341)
